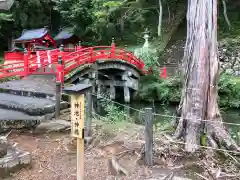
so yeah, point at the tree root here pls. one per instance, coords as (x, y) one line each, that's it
(179, 130)
(217, 136)
(115, 151)
(118, 168)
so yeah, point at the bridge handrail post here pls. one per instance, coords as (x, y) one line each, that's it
(79, 46)
(60, 65)
(163, 72)
(113, 49)
(129, 58)
(41, 56)
(26, 62)
(91, 55)
(59, 83)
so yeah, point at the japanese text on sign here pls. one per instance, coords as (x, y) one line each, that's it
(77, 119)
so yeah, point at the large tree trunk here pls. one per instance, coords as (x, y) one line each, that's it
(199, 94)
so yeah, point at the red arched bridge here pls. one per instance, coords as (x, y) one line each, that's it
(111, 66)
(62, 63)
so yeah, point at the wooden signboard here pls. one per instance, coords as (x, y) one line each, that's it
(77, 122)
(77, 130)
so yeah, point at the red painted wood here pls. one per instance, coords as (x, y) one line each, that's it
(71, 60)
(9, 56)
(163, 73)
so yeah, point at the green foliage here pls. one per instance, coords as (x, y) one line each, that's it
(31, 13)
(76, 14)
(103, 19)
(164, 90)
(235, 134)
(234, 18)
(114, 113)
(25, 14)
(149, 56)
(4, 17)
(169, 90)
(9, 79)
(229, 91)
(203, 139)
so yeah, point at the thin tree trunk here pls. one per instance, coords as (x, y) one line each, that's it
(122, 24)
(199, 94)
(169, 13)
(160, 18)
(225, 14)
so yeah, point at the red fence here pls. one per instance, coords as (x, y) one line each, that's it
(9, 56)
(44, 62)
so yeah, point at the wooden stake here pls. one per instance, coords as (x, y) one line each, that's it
(148, 136)
(58, 100)
(80, 159)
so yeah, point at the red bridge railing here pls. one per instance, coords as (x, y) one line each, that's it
(60, 62)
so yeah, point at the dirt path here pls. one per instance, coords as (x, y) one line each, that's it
(51, 159)
(54, 160)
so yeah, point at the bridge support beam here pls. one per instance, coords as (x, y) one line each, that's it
(126, 94)
(99, 90)
(112, 92)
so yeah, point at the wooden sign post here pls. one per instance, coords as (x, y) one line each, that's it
(77, 122)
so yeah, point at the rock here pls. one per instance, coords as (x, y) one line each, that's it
(3, 149)
(229, 71)
(14, 160)
(29, 105)
(53, 126)
(10, 119)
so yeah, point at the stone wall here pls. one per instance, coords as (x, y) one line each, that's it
(229, 55)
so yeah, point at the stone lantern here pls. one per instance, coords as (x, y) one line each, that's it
(146, 37)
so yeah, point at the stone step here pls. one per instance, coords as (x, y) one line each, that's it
(29, 105)
(10, 119)
(37, 86)
(27, 93)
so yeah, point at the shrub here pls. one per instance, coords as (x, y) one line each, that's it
(229, 91)
(168, 91)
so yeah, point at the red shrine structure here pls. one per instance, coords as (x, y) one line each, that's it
(40, 40)
(33, 40)
(36, 39)
(67, 37)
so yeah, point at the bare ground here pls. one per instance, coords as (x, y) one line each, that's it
(54, 157)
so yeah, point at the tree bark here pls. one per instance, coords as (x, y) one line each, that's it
(199, 94)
